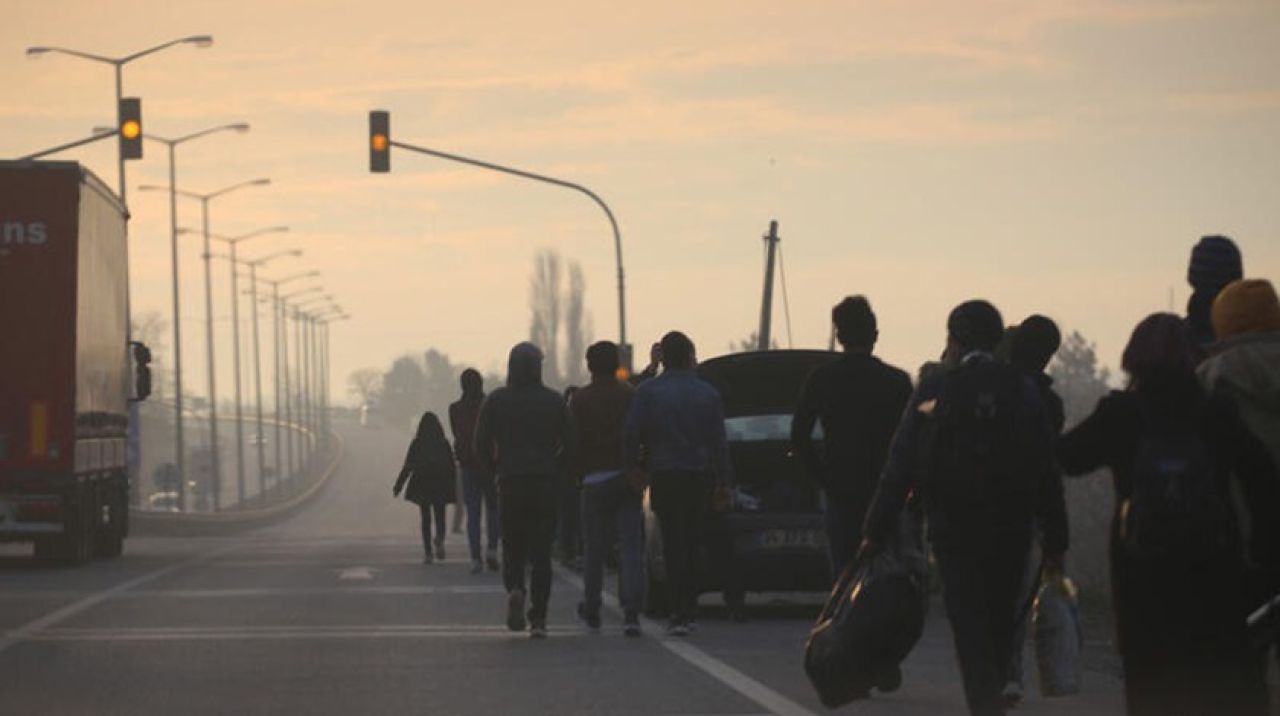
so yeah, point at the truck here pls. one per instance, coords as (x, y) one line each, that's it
(67, 369)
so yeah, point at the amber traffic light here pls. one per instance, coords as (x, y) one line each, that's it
(379, 141)
(130, 128)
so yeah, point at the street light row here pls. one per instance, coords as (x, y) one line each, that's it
(310, 355)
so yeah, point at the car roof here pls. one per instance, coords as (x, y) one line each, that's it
(761, 382)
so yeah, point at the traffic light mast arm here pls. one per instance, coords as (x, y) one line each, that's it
(617, 236)
(71, 145)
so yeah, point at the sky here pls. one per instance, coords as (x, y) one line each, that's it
(1057, 157)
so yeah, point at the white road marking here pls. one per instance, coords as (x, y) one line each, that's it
(775, 702)
(35, 626)
(285, 633)
(356, 574)
(247, 592)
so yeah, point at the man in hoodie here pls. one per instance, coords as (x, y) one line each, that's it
(1215, 262)
(523, 436)
(677, 422)
(479, 491)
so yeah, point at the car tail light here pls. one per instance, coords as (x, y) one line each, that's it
(39, 421)
(45, 510)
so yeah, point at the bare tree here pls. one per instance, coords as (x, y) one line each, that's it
(545, 302)
(751, 343)
(575, 334)
(365, 384)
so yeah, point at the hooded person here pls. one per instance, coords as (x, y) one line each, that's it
(1215, 262)
(478, 489)
(523, 436)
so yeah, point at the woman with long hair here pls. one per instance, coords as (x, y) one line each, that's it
(429, 471)
(1178, 574)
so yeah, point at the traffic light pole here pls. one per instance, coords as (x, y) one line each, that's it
(72, 145)
(617, 236)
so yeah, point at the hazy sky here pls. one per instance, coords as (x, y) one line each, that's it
(1057, 157)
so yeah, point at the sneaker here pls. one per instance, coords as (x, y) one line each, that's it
(592, 620)
(537, 630)
(515, 610)
(631, 627)
(477, 567)
(889, 680)
(691, 625)
(491, 560)
(677, 629)
(428, 559)
(1012, 694)
(440, 549)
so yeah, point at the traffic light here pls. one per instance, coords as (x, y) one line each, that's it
(142, 370)
(130, 128)
(379, 141)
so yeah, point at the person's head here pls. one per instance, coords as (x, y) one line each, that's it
(472, 383)
(1215, 262)
(1160, 352)
(603, 359)
(974, 325)
(1246, 306)
(677, 351)
(429, 427)
(524, 365)
(1034, 343)
(855, 324)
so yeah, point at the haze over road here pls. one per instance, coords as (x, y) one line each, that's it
(332, 612)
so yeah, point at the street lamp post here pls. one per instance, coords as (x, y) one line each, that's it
(291, 374)
(204, 199)
(118, 63)
(257, 361)
(277, 361)
(233, 242)
(172, 144)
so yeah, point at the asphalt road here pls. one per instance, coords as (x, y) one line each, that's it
(332, 612)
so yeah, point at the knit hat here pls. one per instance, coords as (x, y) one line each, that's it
(1215, 262)
(976, 325)
(1246, 306)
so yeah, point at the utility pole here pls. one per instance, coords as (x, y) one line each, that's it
(766, 309)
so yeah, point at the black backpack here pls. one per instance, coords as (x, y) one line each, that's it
(1176, 509)
(982, 442)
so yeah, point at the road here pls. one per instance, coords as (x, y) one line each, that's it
(332, 612)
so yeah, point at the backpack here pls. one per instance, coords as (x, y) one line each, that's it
(1175, 510)
(981, 441)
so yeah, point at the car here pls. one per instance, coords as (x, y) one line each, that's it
(164, 502)
(771, 536)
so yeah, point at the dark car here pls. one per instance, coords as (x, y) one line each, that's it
(771, 538)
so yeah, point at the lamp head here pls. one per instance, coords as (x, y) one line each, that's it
(34, 52)
(240, 127)
(199, 40)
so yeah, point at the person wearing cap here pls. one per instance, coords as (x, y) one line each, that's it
(1215, 262)
(975, 443)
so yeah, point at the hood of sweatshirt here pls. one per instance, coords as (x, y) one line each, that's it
(524, 365)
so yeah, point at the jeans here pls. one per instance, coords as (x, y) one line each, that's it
(480, 492)
(681, 500)
(427, 511)
(612, 509)
(843, 520)
(527, 504)
(982, 577)
(569, 534)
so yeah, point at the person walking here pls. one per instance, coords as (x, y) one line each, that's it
(479, 491)
(1031, 346)
(859, 400)
(611, 499)
(676, 422)
(975, 443)
(429, 471)
(523, 436)
(569, 537)
(1177, 574)
(1215, 262)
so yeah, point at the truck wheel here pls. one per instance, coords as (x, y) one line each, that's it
(75, 544)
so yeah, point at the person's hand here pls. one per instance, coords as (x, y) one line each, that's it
(655, 356)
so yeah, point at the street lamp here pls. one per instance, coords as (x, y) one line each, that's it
(232, 242)
(204, 200)
(172, 144)
(324, 360)
(300, 368)
(118, 63)
(253, 265)
(280, 353)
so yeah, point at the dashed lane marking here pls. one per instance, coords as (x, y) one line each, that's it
(775, 702)
(292, 633)
(250, 592)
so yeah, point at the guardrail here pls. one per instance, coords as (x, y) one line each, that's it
(276, 503)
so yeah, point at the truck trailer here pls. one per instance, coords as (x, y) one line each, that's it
(67, 370)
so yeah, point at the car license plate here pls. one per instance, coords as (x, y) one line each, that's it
(791, 539)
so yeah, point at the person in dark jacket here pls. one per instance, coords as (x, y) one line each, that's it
(611, 503)
(859, 400)
(479, 491)
(986, 476)
(523, 435)
(1180, 622)
(1215, 262)
(676, 422)
(429, 471)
